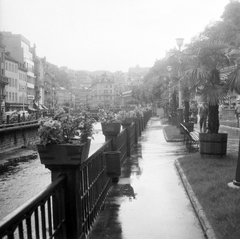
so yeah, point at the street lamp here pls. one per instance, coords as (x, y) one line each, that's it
(179, 42)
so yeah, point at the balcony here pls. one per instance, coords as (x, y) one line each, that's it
(2, 97)
(3, 80)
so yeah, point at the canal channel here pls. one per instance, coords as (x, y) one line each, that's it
(26, 179)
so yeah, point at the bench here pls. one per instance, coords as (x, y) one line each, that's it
(190, 138)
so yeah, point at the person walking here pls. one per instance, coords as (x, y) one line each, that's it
(237, 112)
(203, 113)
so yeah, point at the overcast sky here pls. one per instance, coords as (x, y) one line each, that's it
(107, 34)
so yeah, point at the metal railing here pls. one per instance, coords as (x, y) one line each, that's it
(94, 185)
(16, 125)
(132, 135)
(43, 216)
(121, 145)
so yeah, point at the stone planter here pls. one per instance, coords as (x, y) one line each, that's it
(127, 122)
(63, 154)
(111, 129)
(189, 126)
(113, 165)
(213, 144)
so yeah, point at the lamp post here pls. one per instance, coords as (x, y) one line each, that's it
(179, 42)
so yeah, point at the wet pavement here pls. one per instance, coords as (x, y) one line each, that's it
(149, 200)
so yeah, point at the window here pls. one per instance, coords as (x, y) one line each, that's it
(6, 96)
(16, 68)
(16, 97)
(6, 66)
(10, 94)
(15, 83)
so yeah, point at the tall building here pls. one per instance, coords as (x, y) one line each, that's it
(16, 91)
(3, 78)
(20, 49)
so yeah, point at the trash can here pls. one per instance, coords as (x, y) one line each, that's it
(113, 165)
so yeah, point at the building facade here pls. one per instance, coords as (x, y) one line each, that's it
(12, 89)
(103, 93)
(3, 79)
(20, 49)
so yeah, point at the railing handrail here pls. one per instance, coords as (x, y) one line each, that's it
(93, 185)
(29, 206)
(18, 123)
(17, 127)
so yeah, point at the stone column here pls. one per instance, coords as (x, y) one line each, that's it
(72, 196)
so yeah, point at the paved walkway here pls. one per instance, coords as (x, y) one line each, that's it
(149, 201)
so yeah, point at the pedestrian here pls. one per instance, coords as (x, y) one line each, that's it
(203, 114)
(237, 112)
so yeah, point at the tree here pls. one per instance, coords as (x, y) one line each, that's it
(208, 58)
(228, 29)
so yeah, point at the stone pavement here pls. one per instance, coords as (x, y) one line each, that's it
(149, 200)
(152, 205)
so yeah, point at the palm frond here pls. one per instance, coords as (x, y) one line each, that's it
(213, 93)
(233, 81)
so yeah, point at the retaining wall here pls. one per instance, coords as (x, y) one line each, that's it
(18, 136)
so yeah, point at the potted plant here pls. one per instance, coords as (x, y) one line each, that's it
(126, 117)
(65, 138)
(203, 60)
(111, 125)
(208, 58)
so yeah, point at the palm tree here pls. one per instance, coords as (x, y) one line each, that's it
(206, 59)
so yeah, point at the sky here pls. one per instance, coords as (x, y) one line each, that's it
(111, 35)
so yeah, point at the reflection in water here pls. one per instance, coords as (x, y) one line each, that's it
(127, 190)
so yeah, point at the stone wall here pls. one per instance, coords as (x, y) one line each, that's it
(16, 137)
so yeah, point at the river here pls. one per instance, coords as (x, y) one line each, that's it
(25, 180)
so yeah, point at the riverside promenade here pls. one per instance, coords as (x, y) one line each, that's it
(149, 200)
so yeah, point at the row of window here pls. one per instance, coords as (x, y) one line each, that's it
(22, 76)
(13, 97)
(11, 67)
(12, 82)
(105, 97)
(14, 67)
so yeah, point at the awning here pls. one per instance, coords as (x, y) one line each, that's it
(40, 107)
(44, 107)
(35, 106)
(32, 109)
